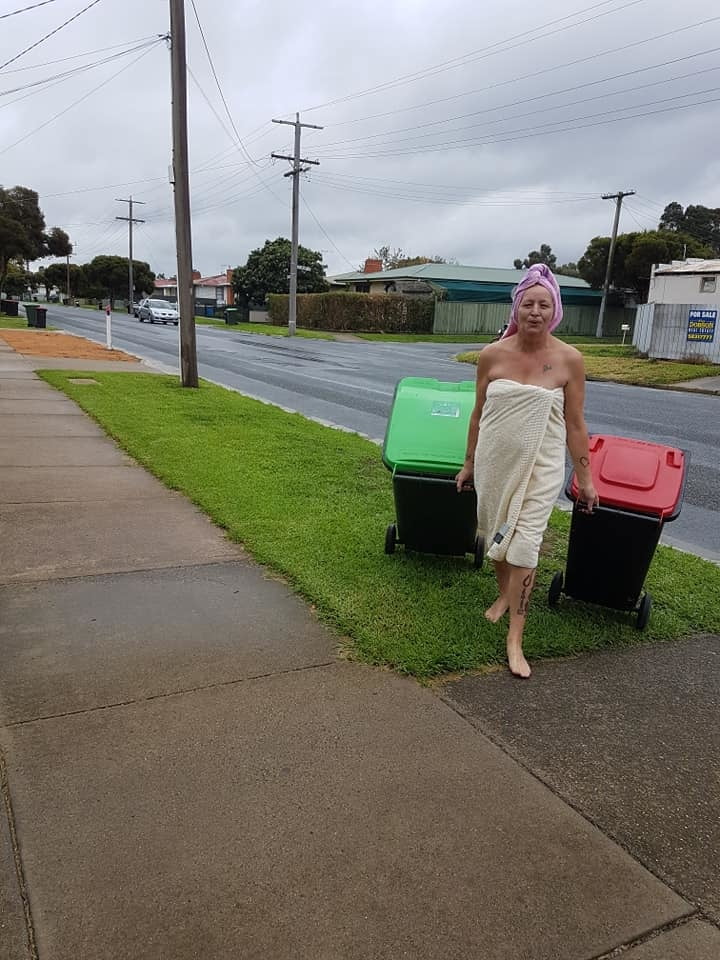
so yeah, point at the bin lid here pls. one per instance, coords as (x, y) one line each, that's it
(636, 475)
(428, 426)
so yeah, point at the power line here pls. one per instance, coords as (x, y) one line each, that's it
(526, 36)
(326, 234)
(217, 83)
(537, 73)
(76, 102)
(528, 132)
(77, 56)
(47, 35)
(34, 6)
(49, 82)
(526, 100)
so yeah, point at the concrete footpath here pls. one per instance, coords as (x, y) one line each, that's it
(189, 770)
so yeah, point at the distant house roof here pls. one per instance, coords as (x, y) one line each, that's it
(472, 284)
(449, 271)
(221, 280)
(691, 266)
(162, 282)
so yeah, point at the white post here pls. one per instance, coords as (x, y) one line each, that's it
(108, 327)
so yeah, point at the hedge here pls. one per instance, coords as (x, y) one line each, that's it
(356, 312)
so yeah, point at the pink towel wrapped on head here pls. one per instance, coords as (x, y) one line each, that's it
(539, 273)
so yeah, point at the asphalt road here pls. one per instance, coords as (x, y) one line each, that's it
(351, 385)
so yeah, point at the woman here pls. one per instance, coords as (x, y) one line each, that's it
(529, 403)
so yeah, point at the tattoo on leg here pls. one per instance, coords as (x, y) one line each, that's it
(584, 461)
(525, 595)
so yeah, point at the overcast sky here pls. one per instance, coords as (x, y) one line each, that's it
(519, 156)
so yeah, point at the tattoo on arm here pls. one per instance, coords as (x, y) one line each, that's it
(525, 595)
(584, 461)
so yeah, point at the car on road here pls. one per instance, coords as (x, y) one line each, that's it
(161, 311)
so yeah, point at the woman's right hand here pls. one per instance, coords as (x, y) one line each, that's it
(464, 479)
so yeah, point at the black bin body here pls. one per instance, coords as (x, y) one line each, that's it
(41, 317)
(641, 487)
(432, 516)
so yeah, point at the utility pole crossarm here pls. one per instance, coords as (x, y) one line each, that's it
(297, 168)
(618, 198)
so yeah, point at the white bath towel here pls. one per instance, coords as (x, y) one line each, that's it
(519, 468)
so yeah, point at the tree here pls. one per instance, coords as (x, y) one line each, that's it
(22, 228)
(17, 280)
(108, 276)
(543, 255)
(635, 255)
(567, 270)
(394, 259)
(58, 243)
(268, 271)
(699, 222)
(55, 275)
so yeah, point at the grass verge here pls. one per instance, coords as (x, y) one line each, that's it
(12, 323)
(613, 362)
(264, 329)
(312, 503)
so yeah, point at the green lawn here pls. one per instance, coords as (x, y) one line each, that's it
(607, 361)
(267, 329)
(12, 323)
(312, 504)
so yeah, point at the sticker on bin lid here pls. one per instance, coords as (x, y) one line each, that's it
(442, 408)
(636, 475)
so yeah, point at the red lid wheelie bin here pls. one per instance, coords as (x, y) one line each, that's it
(640, 486)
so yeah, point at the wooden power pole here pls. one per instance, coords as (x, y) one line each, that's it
(297, 169)
(618, 198)
(181, 185)
(130, 220)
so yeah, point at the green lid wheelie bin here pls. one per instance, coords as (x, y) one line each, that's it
(31, 314)
(424, 447)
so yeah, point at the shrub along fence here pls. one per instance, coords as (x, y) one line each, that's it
(356, 312)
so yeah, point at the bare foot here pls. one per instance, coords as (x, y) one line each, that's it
(519, 666)
(497, 610)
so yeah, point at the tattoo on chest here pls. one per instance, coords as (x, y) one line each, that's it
(546, 367)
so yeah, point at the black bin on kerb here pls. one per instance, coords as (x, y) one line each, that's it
(641, 487)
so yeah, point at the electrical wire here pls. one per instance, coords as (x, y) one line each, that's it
(527, 100)
(532, 76)
(76, 102)
(43, 85)
(529, 132)
(34, 6)
(77, 56)
(325, 233)
(526, 36)
(48, 35)
(217, 83)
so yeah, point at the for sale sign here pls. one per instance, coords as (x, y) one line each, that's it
(701, 326)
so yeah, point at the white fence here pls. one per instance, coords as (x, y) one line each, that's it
(678, 331)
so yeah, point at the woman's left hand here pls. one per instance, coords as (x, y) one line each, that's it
(587, 498)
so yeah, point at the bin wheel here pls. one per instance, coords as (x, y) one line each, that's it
(555, 590)
(390, 538)
(479, 552)
(644, 611)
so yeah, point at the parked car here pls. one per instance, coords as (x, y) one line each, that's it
(135, 308)
(161, 310)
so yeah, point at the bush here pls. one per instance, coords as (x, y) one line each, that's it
(356, 312)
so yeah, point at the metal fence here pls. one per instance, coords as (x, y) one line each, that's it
(678, 331)
(465, 319)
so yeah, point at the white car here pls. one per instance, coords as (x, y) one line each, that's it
(161, 310)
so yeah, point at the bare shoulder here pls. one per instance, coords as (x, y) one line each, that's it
(570, 354)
